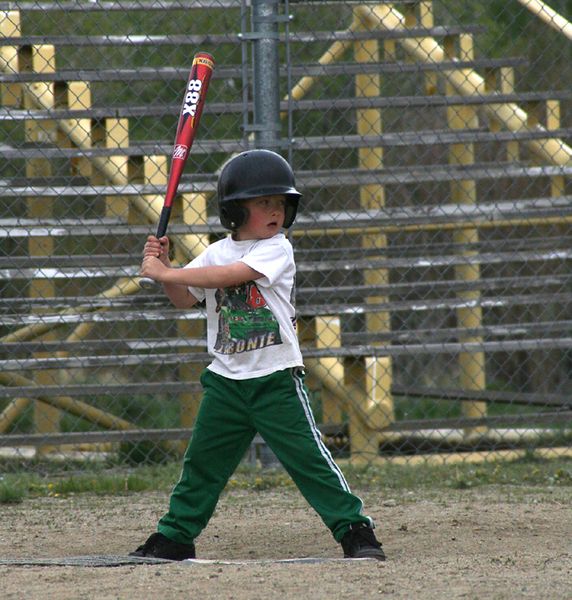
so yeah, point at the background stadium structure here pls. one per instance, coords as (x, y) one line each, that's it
(431, 141)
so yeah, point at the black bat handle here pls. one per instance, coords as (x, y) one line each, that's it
(163, 221)
(145, 282)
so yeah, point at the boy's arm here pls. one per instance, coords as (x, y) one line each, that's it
(179, 295)
(211, 277)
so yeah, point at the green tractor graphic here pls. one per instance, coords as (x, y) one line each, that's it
(245, 321)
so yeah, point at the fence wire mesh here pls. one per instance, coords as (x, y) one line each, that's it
(433, 244)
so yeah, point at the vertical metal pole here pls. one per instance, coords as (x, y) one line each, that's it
(266, 78)
(244, 57)
(266, 95)
(290, 124)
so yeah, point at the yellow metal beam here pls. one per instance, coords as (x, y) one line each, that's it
(70, 405)
(549, 16)
(467, 82)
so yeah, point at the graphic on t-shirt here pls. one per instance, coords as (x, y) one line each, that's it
(245, 322)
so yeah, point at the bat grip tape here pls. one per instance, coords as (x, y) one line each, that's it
(163, 221)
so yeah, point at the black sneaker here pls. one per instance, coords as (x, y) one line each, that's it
(360, 542)
(160, 546)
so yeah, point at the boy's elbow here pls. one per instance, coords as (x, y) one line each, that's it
(190, 300)
(182, 298)
(185, 303)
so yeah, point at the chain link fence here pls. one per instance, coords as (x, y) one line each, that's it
(431, 141)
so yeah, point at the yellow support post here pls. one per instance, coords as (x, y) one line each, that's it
(370, 406)
(329, 335)
(558, 182)
(10, 26)
(154, 171)
(194, 212)
(502, 81)
(76, 95)
(110, 133)
(471, 365)
(377, 402)
(507, 86)
(427, 20)
(11, 95)
(41, 59)
(389, 46)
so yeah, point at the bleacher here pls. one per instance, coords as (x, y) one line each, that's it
(421, 252)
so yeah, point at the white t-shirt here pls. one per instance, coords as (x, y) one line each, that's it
(252, 327)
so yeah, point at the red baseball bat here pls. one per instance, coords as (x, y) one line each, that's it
(189, 117)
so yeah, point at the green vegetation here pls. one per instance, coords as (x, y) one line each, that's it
(528, 471)
(12, 490)
(16, 487)
(525, 473)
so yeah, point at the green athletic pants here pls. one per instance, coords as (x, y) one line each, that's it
(231, 412)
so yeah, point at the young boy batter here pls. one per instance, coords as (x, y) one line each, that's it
(255, 382)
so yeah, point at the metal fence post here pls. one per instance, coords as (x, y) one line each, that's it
(266, 87)
(266, 97)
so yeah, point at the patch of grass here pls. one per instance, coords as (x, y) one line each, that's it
(251, 478)
(101, 485)
(526, 472)
(17, 487)
(11, 492)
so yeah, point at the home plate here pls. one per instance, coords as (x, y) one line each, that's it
(119, 561)
(264, 561)
(84, 561)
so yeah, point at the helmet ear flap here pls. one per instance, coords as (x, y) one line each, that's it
(290, 211)
(233, 215)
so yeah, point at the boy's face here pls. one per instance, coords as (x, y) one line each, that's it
(265, 217)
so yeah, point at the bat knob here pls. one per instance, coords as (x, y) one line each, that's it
(148, 284)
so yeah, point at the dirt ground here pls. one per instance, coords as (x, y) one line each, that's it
(492, 542)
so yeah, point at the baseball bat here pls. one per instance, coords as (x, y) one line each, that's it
(189, 117)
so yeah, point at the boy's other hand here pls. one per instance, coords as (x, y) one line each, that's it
(153, 267)
(158, 248)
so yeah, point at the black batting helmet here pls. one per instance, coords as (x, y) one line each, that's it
(252, 174)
